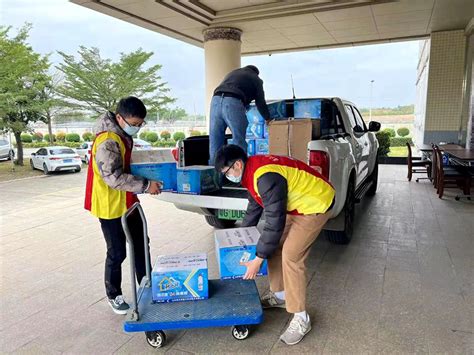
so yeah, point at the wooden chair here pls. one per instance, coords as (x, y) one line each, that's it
(449, 178)
(417, 166)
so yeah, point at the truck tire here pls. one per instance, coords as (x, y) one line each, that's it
(375, 178)
(344, 237)
(218, 223)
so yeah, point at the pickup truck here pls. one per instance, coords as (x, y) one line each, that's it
(346, 153)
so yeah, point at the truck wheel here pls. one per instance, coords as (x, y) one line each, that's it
(215, 222)
(344, 237)
(374, 177)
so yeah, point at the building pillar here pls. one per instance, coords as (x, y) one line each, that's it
(222, 53)
(445, 88)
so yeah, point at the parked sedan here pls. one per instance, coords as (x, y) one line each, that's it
(51, 159)
(140, 144)
(84, 151)
(6, 151)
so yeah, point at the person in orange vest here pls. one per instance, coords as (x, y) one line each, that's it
(296, 200)
(111, 190)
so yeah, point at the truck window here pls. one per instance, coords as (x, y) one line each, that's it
(359, 118)
(331, 121)
(356, 126)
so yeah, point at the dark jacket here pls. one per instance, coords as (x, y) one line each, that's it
(245, 84)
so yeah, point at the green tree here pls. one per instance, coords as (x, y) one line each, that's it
(170, 115)
(61, 137)
(151, 137)
(73, 137)
(384, 143)
(88, 136)
(165, 135)
(390, 131)
(92, 83)
(403, 131)
(23, 77)
(177, 136)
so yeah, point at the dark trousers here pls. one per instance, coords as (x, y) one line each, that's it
(116, 251)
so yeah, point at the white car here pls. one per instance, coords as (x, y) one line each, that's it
(84, 151)
(140, 144)
(6, 151)
(51, 159)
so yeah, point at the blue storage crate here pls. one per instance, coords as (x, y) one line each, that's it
(197, 180)
(277, 109)
(261, 146)
(307, 108)
(255, 130)
(165, 173)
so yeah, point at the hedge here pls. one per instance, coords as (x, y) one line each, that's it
(151, 137)
(165, 144)
(47, 144)
(403, 131)
(178, 136)
(73, 137)
(88, 136)
(194, 133)
(400, 141)
(37, 137)
(26, 138)
(46, 137)
(165, 135)
(142, 135)
(384, 143)
(61, 137)
(390, 131)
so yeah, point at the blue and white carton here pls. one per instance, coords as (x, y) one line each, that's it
(182, 277)
(234, 247)
(197, 180)
(261, 147)
(255, 130)
(156, 165)
(307, 108)
(250, 147)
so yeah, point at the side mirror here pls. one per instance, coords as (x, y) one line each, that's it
(374, 126)
(33, 154)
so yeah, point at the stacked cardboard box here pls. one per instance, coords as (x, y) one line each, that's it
(156, 165)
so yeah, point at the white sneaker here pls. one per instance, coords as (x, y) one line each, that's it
(119, 306)
(296, 331)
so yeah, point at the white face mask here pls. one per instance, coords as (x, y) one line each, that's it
(235, 179)
(129, 129)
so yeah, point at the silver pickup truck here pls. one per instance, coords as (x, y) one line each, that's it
(346, 152)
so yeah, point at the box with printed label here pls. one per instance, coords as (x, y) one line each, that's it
(261, 146)
(181, 277)
(265, 131)
(197, 180)
(276, 109)
(250, 147)
(307, 108)
(234, 247)
(255, 130)
(164, 173)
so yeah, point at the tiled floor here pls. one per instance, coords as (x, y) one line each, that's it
(404, 284)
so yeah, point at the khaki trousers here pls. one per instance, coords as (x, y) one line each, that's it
(286, 267)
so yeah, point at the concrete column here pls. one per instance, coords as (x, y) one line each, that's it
(222, 55)
(445, 88)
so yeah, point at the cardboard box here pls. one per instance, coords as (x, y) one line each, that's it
(261, 146)
(255, 130)
(291, 137)
(307, 108)
(164, 173)
(152, 156)
(197, 180)
(277, 109)
(234, 247)
(181, 277)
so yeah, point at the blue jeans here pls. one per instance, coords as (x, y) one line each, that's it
(226, 112)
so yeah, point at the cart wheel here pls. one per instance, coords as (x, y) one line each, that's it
(457, 198)
(156, 339)
(240, 332)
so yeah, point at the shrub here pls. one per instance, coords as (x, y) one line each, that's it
(403, 131)
(61, 137)
(37, 137)
(384, 143)
(46, 138)
(47, 144)
(26, 138)
(165, 144)
(165, 135)
(390, 131)
(178, 136)
(151, 137)
(88, 136)
(142, 135)
(73, 137)
(400, 141)
(194, 133)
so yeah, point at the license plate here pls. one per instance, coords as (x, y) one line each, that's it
(67, 160)
(230, 214)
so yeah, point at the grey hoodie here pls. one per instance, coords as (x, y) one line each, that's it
(109, 159)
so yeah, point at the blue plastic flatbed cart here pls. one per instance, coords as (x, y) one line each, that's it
(233, 303)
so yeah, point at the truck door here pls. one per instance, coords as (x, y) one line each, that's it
(359, 144)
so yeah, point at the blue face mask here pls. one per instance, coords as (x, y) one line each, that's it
(130, 130)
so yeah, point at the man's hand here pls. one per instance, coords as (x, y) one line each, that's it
(253, 267)
(155, 188)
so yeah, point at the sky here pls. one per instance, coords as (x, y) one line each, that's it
(343, 72)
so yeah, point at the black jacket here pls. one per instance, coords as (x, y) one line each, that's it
(273, 189)
(245, 84)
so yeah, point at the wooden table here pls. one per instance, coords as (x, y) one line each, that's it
(465, 156)
(425, 148)
(444, 147)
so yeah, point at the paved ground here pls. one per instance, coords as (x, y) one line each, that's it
(404, 284)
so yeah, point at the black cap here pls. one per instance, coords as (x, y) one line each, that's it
(254, 68)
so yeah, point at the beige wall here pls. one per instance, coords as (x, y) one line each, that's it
(445, 86)
(221, 57)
